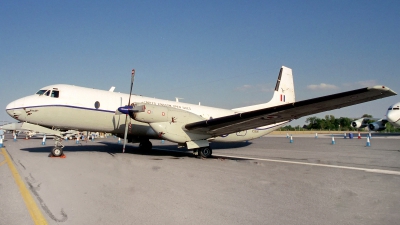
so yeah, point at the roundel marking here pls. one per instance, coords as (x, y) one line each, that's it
(163, 113)
(148, 111)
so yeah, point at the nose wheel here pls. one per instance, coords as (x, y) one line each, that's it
(57, 151)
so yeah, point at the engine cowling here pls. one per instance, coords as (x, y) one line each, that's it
(169, 122)
(358, 123)
(377, 126)
(156, 114)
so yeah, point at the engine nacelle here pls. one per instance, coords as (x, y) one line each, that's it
(169, 123)
(377, 126)
(358, 123)
(157, 114)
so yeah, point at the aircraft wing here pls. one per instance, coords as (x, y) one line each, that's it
(262, 117)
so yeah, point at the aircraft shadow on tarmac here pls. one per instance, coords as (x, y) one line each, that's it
(115, 148)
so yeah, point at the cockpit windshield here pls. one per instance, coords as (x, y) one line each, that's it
(54, 93)
(40, 92)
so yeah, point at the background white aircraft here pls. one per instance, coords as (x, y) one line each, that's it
(68, 107)
(392, 116)
(16, 128)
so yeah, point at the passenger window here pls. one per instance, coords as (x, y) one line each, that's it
(55, 94)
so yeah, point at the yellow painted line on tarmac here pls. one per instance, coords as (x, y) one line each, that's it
(30, 203)
(1, 163)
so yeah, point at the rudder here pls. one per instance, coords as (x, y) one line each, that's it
(284, 88)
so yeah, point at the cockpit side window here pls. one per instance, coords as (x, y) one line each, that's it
(47, 93)
(40, 92)
(390, 108)
(55, 94)
(397, 108)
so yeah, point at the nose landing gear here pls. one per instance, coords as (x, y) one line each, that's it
(57, 151)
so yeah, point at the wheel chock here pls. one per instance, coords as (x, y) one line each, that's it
(63, 156)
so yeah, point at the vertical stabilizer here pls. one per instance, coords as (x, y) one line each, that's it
(283, 93)
(284, 88)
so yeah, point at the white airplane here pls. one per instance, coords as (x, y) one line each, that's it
(392, 116)
(68, 107)
(17, 129)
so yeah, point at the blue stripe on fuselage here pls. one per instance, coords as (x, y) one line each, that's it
(67, 106)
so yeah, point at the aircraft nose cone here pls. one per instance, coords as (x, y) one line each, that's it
(10, 107)
(391, 116)
(14, 109)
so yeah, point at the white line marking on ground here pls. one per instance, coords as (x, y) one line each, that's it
(393, 172)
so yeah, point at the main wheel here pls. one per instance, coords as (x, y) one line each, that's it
(57, 152)
(205, 152)
(145, 145)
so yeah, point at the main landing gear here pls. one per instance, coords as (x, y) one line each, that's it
(145, 145)
(204, 152)
(57, 151)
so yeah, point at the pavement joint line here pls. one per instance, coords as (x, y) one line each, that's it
(30, 203)
(393, 172)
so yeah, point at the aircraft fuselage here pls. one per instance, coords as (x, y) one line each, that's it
(393, 114)
(80, 108)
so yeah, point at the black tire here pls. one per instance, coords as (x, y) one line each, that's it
(57, 152)
(205, 152)
(145, 145)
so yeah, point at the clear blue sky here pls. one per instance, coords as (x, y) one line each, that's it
(220, 53)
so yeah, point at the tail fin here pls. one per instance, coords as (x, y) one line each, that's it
(284, 88)
(283, 94)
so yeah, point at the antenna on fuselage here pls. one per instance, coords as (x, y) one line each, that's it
(177, 99)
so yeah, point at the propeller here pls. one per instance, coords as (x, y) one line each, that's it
(129, 105)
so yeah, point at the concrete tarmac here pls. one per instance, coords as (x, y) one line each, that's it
(264, 181)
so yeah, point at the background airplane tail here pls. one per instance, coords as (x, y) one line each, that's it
(283, 94)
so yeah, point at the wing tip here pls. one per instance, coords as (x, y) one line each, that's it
(382, 88)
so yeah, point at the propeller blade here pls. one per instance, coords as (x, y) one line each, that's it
(126, 133)
(129, 103)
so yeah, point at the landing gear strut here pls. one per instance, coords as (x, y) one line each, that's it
(204, 152)
(57, 151)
